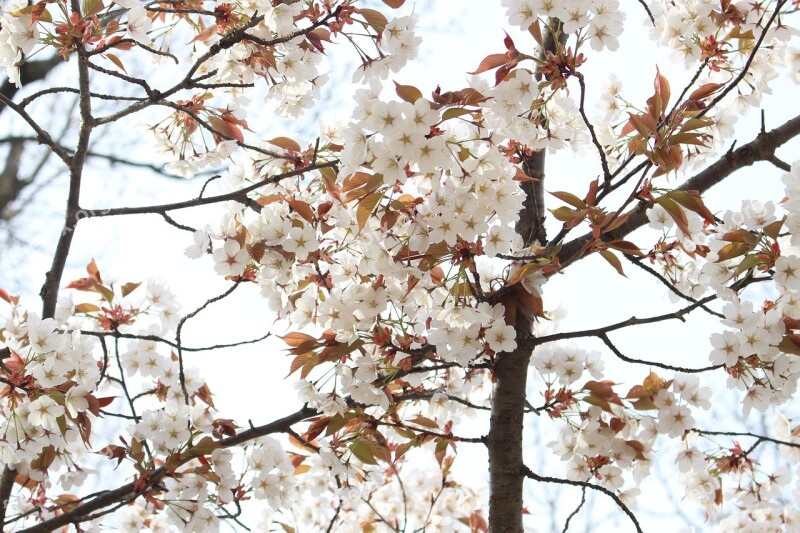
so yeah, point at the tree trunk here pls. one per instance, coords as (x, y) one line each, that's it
(504, 442)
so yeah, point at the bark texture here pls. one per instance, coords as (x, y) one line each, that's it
(504, 442)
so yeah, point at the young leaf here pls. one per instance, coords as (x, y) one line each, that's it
(361, 448)
(286, 143)
(692, 202)
(409, 93)
(114, 59)
(86, 308)
(302, 209)
(295, 338)
(374, 19)
(129, 288)
(625, 247)
(613, 260)
(570, 199)
(365, 208)
(675, 211)
(704, 91)
(492, 61)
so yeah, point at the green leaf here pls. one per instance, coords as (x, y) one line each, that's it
(613, 260)
(86, 308)
(695, 123)
(454, 112)
(773, 230)
(336, 423)
(563, 213)
(686, 138)
(363, 451)
(105, 292)
(204, 447)
(92, 7)
(731, 250)
(748, 263)
(569, 198)
(424, 422)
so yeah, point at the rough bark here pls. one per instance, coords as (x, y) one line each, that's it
(11, 185)
(504, 442)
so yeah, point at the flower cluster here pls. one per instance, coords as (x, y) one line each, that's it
(49, 389)
(399, 270)
(600, 21)
(19, 35)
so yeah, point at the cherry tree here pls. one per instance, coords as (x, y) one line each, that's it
(406, 256)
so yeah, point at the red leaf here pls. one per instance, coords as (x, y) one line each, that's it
(7, 297)
(704, 91)
(501, 73)
(490, 62)
(105, 400)
(509, 43)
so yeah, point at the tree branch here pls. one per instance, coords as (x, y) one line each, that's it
(123, 493)
(762, 148)
(239, 196)
(547, 479)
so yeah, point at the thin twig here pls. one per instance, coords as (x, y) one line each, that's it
(547, 479)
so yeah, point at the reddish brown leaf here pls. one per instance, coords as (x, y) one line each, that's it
(376, 19)
(295, 338)
(286, 143)
(704, 91)
(409, 93)
(302, 209)
(492, 61)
